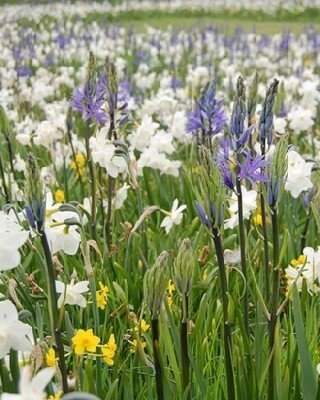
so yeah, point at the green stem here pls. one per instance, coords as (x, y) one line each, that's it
(93, 290)
(54, 309)
(242, 240)
(93, 184)
(265, 237)
(111, 184)
(100, 186)
(156, 354)
(184, 346)
(274, 302)
(143, 225)
(76, 164)
(4, 185)
(14, 369)
(11, 157)
(304, 232)
(227, 334)
(6, 382)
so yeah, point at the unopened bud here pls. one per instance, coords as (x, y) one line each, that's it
(155, 284)
(184, 268)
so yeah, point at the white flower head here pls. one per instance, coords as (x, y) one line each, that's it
(60, 236)
(249, 201)
(13, 333)
(12, 237)
(72, 293)
(31, 387)
(174, 217)
(104, 154)
(121, 196)
(299, 174)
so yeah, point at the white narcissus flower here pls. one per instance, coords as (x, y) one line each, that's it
(279, 125)
(308, 269)
(300, 119)
(249, 201)
(72, 293)
(12, 237)
(174, 217)
(104, 154)
(63, 238)
(312, 268)
(60, 236)
(121, 196)
(13, 333)
(299, 174)
(31, 388)
(140, 139)
(46, 134)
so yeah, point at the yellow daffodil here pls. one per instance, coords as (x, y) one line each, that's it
(101, 300)
(170, 289)
(56, 396)
(51, 357)
(298, 261)
(78, 163)
(101, 296)
(257, 219)
(85, 341)
(134, 345)
(109, 350)
(144, 326)
(59, 196)
(103, 289)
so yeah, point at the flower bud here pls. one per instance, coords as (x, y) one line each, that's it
(266, 117)
(35, 196)
(184, 268)
(252, 98)
(155, 284)
(239, 111)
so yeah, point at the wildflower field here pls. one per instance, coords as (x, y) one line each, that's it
(159, 200)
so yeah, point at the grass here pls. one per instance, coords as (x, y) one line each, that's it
(226, 25)
(249, 21)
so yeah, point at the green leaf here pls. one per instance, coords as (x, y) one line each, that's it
(308, 379)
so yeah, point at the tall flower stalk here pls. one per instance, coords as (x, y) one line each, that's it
(211, 213)
(89, 102)
(277, 173)
(111, 96)
(265, 128)
(35, 211)
(240, 135)
(183, 277)
(154, 286)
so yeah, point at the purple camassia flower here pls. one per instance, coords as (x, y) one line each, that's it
(202, 215)
(175, 82)
(63, 41)
(90, 102)
(283, 111)
(125, 86)
(223, 162)
(23, 71)
(208, 116)
(251, 169)
(285, 42)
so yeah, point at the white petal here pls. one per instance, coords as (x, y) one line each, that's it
(41, 380)
(81, 301)
(9, 258)
(9, 396)
(60, 287)
(81, 287)
(8, 311)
